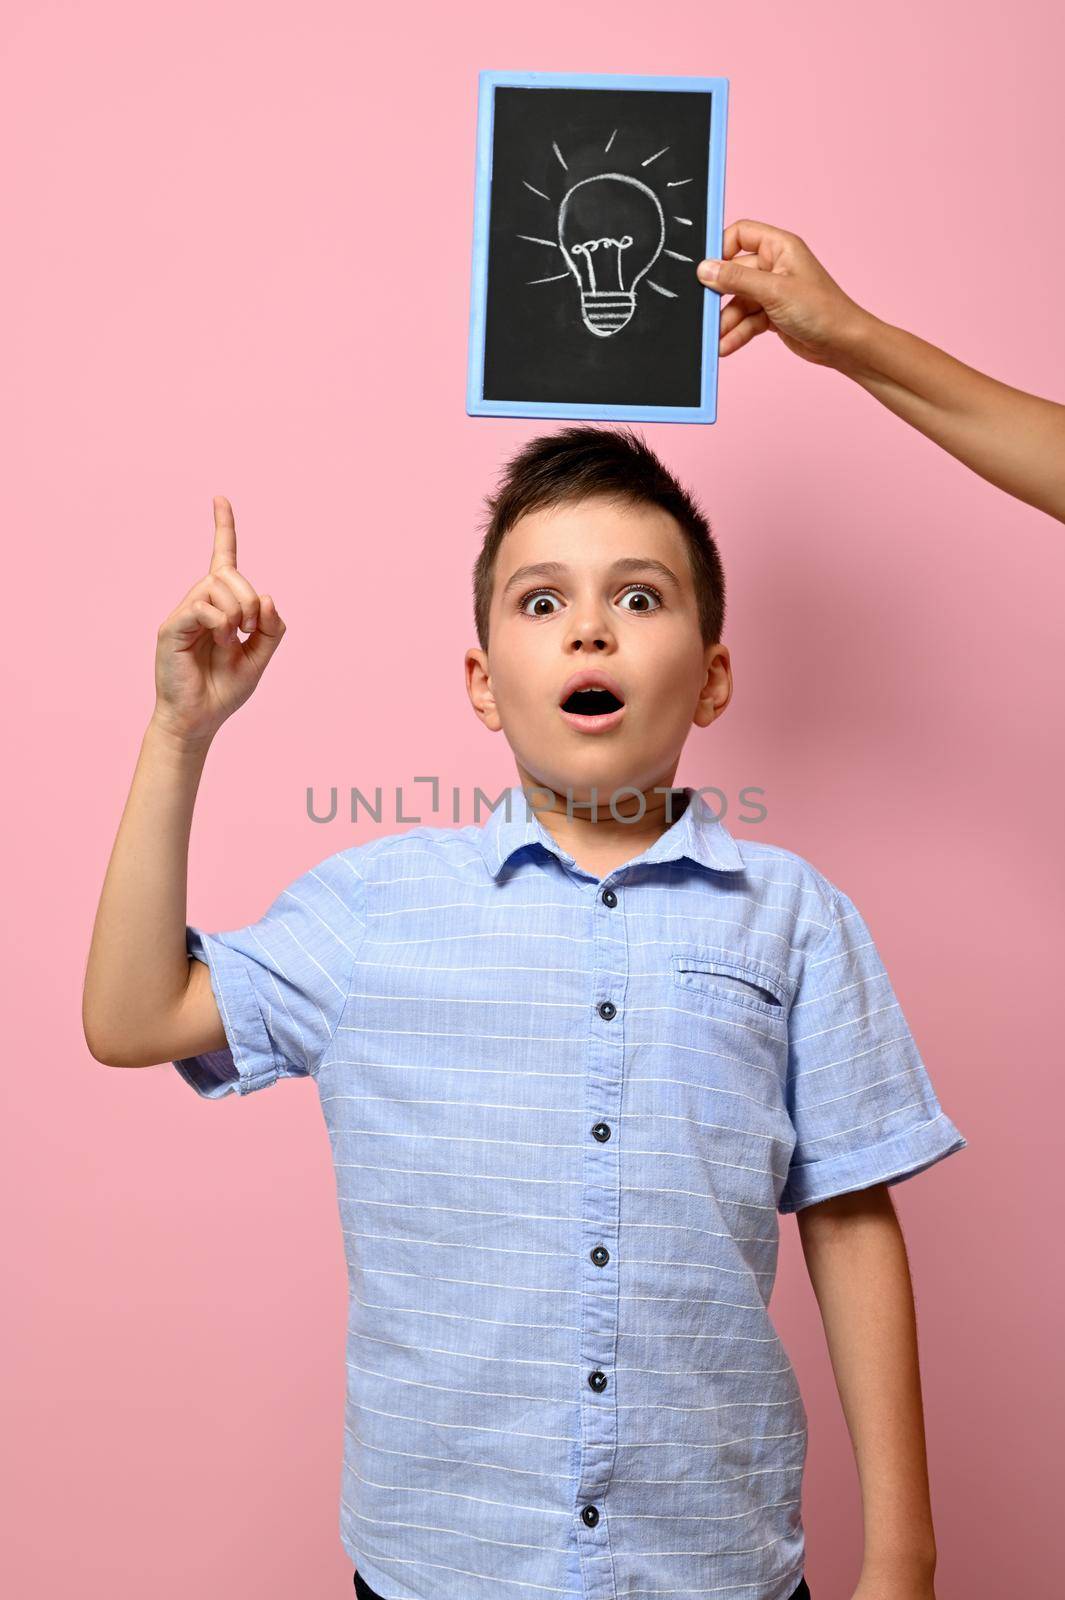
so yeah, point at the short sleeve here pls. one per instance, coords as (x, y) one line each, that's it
(281, 983)
(860, 1100)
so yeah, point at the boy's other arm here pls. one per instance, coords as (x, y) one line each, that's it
(1013, 439)
(856, 1259)
(144, 999)
(143, 1002)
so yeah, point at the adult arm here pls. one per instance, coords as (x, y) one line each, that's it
(1013, 439)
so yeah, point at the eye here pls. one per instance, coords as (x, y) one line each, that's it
(634, 588)
(647, 588)
(536, 594)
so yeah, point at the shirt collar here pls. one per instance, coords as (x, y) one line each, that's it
(696, 835)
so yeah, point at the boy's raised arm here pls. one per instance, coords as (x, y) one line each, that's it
(1013, 439)
(144, 1001)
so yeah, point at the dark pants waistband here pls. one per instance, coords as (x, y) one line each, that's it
(364, 1592)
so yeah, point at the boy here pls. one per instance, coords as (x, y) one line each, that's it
(573, 1062)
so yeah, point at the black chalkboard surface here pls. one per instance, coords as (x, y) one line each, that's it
(596, 198)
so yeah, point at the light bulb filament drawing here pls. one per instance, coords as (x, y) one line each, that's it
(606, 306)
(589, 245)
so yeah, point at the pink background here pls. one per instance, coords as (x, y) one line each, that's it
(214, 221)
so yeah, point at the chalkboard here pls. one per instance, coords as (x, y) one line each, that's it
(596, 197)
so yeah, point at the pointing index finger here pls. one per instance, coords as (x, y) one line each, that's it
(224, 553)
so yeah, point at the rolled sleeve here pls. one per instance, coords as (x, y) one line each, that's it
(249, 1062)
(860, 1099)
(281, 983)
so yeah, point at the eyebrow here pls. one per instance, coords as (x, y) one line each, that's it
(559, 569)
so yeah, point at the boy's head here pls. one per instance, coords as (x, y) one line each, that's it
(594, 557)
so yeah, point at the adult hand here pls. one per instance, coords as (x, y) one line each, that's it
(778, 284)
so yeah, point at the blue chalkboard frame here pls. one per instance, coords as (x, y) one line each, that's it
(489, 81)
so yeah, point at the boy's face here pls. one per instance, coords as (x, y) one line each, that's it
(597, 613)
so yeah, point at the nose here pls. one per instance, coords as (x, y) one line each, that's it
(590, 632)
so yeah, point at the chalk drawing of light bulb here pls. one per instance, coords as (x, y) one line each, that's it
(611, 231)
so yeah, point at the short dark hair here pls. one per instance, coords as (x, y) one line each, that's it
(576, 463)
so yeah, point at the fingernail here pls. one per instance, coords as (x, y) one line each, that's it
(708, 270)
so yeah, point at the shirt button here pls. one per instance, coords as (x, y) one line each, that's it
(610, 898)
(597, 1381)
(600, 1255)
(589, 1516)
(601, 1131)
(607, 1010)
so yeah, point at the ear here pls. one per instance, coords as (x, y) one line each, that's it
(716, 691)
(479, 689)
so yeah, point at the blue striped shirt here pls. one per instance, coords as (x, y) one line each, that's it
(565, 1113)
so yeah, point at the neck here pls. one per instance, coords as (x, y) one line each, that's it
(582, 822)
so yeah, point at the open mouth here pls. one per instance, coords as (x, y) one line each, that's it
(592, 703)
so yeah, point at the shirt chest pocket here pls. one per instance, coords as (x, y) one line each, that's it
(723, 979)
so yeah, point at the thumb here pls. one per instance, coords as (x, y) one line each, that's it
(260, 646)
(729, 277)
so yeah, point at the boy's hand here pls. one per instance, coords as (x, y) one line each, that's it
(781, 285)
(203, 671)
